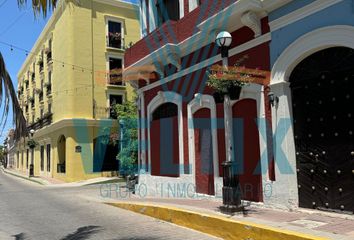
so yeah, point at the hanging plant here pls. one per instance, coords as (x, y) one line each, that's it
(31, 143)
(39, 91)
(115, 36)
(31, 99)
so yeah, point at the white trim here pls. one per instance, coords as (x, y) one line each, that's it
(181, 9)
(337, 35)
(301, 13)
(143, 128)
(251, 44)
(119, 4)
(193, 4)
(203, 101)
(160, 98)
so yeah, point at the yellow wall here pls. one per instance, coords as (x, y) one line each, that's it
(78, 36)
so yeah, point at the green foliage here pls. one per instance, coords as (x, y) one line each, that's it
(31, 143)
(128, 119)
(222, 79)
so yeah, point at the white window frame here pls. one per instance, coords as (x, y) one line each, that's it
(117, 20)
(108, 56)
(110, 92)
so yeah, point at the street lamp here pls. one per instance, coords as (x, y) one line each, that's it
(224, 40)
(230, 192)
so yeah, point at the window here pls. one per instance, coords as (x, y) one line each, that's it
(115, 71)
(27, 153)
(193, 4)
(113, 100)
(167, 10)
(41, 113)
(48, 157)
(115, 34)
(49, 107)
(42, 158)
(32, 118)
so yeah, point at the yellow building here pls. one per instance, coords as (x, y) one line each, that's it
(67, 85)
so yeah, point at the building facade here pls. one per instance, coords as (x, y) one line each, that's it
(184, 130)
(67, 85)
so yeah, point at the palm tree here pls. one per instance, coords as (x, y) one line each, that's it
(7, 89)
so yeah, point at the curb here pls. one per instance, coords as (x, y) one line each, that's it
(23, 177)
(212, 224)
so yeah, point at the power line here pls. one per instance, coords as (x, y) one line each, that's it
(13, 23)
(63, 63)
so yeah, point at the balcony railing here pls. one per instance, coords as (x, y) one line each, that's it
(115, 40)
(105, 113)
(42, 122)
(49, 57)
(49, 88)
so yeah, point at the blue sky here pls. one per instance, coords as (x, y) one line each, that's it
(19, 28)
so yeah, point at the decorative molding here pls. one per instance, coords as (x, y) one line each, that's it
(241, 48)
(203, 101)
(174, 59)
(161, 98)
(332, 36)
(301, 13)
(251, 20)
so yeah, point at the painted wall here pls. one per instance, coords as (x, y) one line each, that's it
(341, 13)
(79, 38)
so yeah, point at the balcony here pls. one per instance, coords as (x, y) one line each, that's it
(33, 77)
(42, 122)
(174, 32)
(115, 40)
(105, 113)
(49, 57)
(48, 87)
(115, 78)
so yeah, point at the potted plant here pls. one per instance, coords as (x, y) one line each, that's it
(223, 83)
(39, 91)
(31, 143)
(227, 81)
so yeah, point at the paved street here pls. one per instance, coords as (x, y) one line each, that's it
(31, 211)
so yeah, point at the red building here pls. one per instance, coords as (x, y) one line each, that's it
(182, 125)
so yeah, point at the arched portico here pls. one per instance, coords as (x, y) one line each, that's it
(282, 112)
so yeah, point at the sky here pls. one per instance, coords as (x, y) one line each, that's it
(18, 27)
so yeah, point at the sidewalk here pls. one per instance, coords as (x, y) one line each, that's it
(51, 182)
(256, 222)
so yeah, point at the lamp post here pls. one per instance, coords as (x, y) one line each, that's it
(230, 191)
(31, 167)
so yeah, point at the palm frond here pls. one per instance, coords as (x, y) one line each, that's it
(7, 90)
(40, 6)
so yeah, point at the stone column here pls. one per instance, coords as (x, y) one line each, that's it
(284, 191)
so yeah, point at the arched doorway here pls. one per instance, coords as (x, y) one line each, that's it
(322, 88)
(61, 154)
(246, 149)
(164, 141)
(204, 157)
